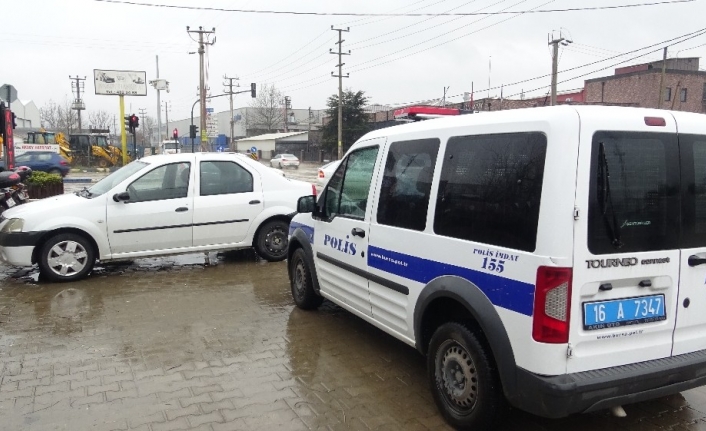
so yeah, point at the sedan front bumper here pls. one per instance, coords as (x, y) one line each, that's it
(17, 248)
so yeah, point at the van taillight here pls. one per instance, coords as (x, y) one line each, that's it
(655, 121)
(552, 305)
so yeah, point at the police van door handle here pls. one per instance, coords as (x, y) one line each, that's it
(358, 232)
(695, 260)
(181, 209)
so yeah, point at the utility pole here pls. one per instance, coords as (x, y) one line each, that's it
(77, 84)
(159, 110)
(143, 114)
(661, 79)
(308, 135)
(287, 105)
(230, 92)
(443, 100)
(555, 61)
(202, 84)
(115, 127)
(166, 114)
(340, 77)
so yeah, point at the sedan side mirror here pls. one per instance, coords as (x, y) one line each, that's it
(306, 204)
(121, 197)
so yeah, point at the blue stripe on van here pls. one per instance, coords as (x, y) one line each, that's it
(308, 230)
(503, 292)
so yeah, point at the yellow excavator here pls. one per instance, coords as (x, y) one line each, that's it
(94, 149)
(43, 137)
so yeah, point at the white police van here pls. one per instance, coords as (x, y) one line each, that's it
(553, 258)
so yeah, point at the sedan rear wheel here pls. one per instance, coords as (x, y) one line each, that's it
(271, 240)
(66, 257)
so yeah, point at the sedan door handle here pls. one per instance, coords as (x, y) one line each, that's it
(695, 260)
(181, 209)
(358, 232)
(255, 202)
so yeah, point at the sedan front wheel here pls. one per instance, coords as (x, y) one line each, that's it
(66, 257)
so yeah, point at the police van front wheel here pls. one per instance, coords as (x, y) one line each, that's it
(300, 278)
(464, 383)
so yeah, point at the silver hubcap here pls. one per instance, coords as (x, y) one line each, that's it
(67, 258)
(459, 376)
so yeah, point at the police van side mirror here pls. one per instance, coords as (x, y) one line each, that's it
(306, 204)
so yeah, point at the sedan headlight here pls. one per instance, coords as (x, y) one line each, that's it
(13, 225)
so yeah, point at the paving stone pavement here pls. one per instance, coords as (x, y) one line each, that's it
(173, 344)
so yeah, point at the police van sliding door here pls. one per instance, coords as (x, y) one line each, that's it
(341, 239)
(690, 331)
(626, 265)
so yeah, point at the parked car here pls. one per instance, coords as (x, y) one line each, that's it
(326, 171)
(45, 161)
(285, 160)
(551, 258)
(158, 205)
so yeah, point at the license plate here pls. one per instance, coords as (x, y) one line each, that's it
(623, 312)
(10, 202)
(22, 195)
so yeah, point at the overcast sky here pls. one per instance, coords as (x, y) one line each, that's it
(394, 59)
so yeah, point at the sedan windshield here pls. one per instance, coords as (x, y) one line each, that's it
(115, 178)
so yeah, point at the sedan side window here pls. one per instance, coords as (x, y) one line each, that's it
(165, 182)
(347, 191)
(221, 178)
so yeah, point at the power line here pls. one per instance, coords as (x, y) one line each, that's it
(282, 12)
(688, 36)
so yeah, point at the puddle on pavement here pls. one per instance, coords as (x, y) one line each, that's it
(165, 313)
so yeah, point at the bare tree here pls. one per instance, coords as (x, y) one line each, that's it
(147, 130)
(267, 110)
(59, 117)
(100, 119)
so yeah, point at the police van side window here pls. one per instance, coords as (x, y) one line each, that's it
(693, 164)
(347, 191)
(634, 201)
(490, 189)
(406, 184)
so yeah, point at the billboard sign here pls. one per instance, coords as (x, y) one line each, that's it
(21, 148)
(212, 126)
(120, 82)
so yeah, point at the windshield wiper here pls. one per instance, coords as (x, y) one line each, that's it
(605, 200)
(84, 193)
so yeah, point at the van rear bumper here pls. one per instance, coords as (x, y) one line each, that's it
(560, 396)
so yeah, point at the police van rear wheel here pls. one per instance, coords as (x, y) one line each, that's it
(302, 286)
(464, 383)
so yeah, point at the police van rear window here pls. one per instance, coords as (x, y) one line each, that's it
(490, 189)
(634, 192)
(693, 164)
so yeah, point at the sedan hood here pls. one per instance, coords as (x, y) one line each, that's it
(48, 206)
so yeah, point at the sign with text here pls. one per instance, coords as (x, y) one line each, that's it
(120, 82)
(21, 148)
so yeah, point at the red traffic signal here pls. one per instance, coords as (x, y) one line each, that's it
(175, 134)
(134, 121)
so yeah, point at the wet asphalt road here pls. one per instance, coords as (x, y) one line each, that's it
(173, 343)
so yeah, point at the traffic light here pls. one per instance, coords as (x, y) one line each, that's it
(128, 123)
(135, 120)
(193, 131)
(253, 90)
(175, 135)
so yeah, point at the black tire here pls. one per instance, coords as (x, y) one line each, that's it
(464, 383)
(58, 263)
(301, 281)
(271, 240)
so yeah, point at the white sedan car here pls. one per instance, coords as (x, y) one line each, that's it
(158, 205)
(285, 161)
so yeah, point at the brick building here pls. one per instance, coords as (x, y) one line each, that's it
(684, 86)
